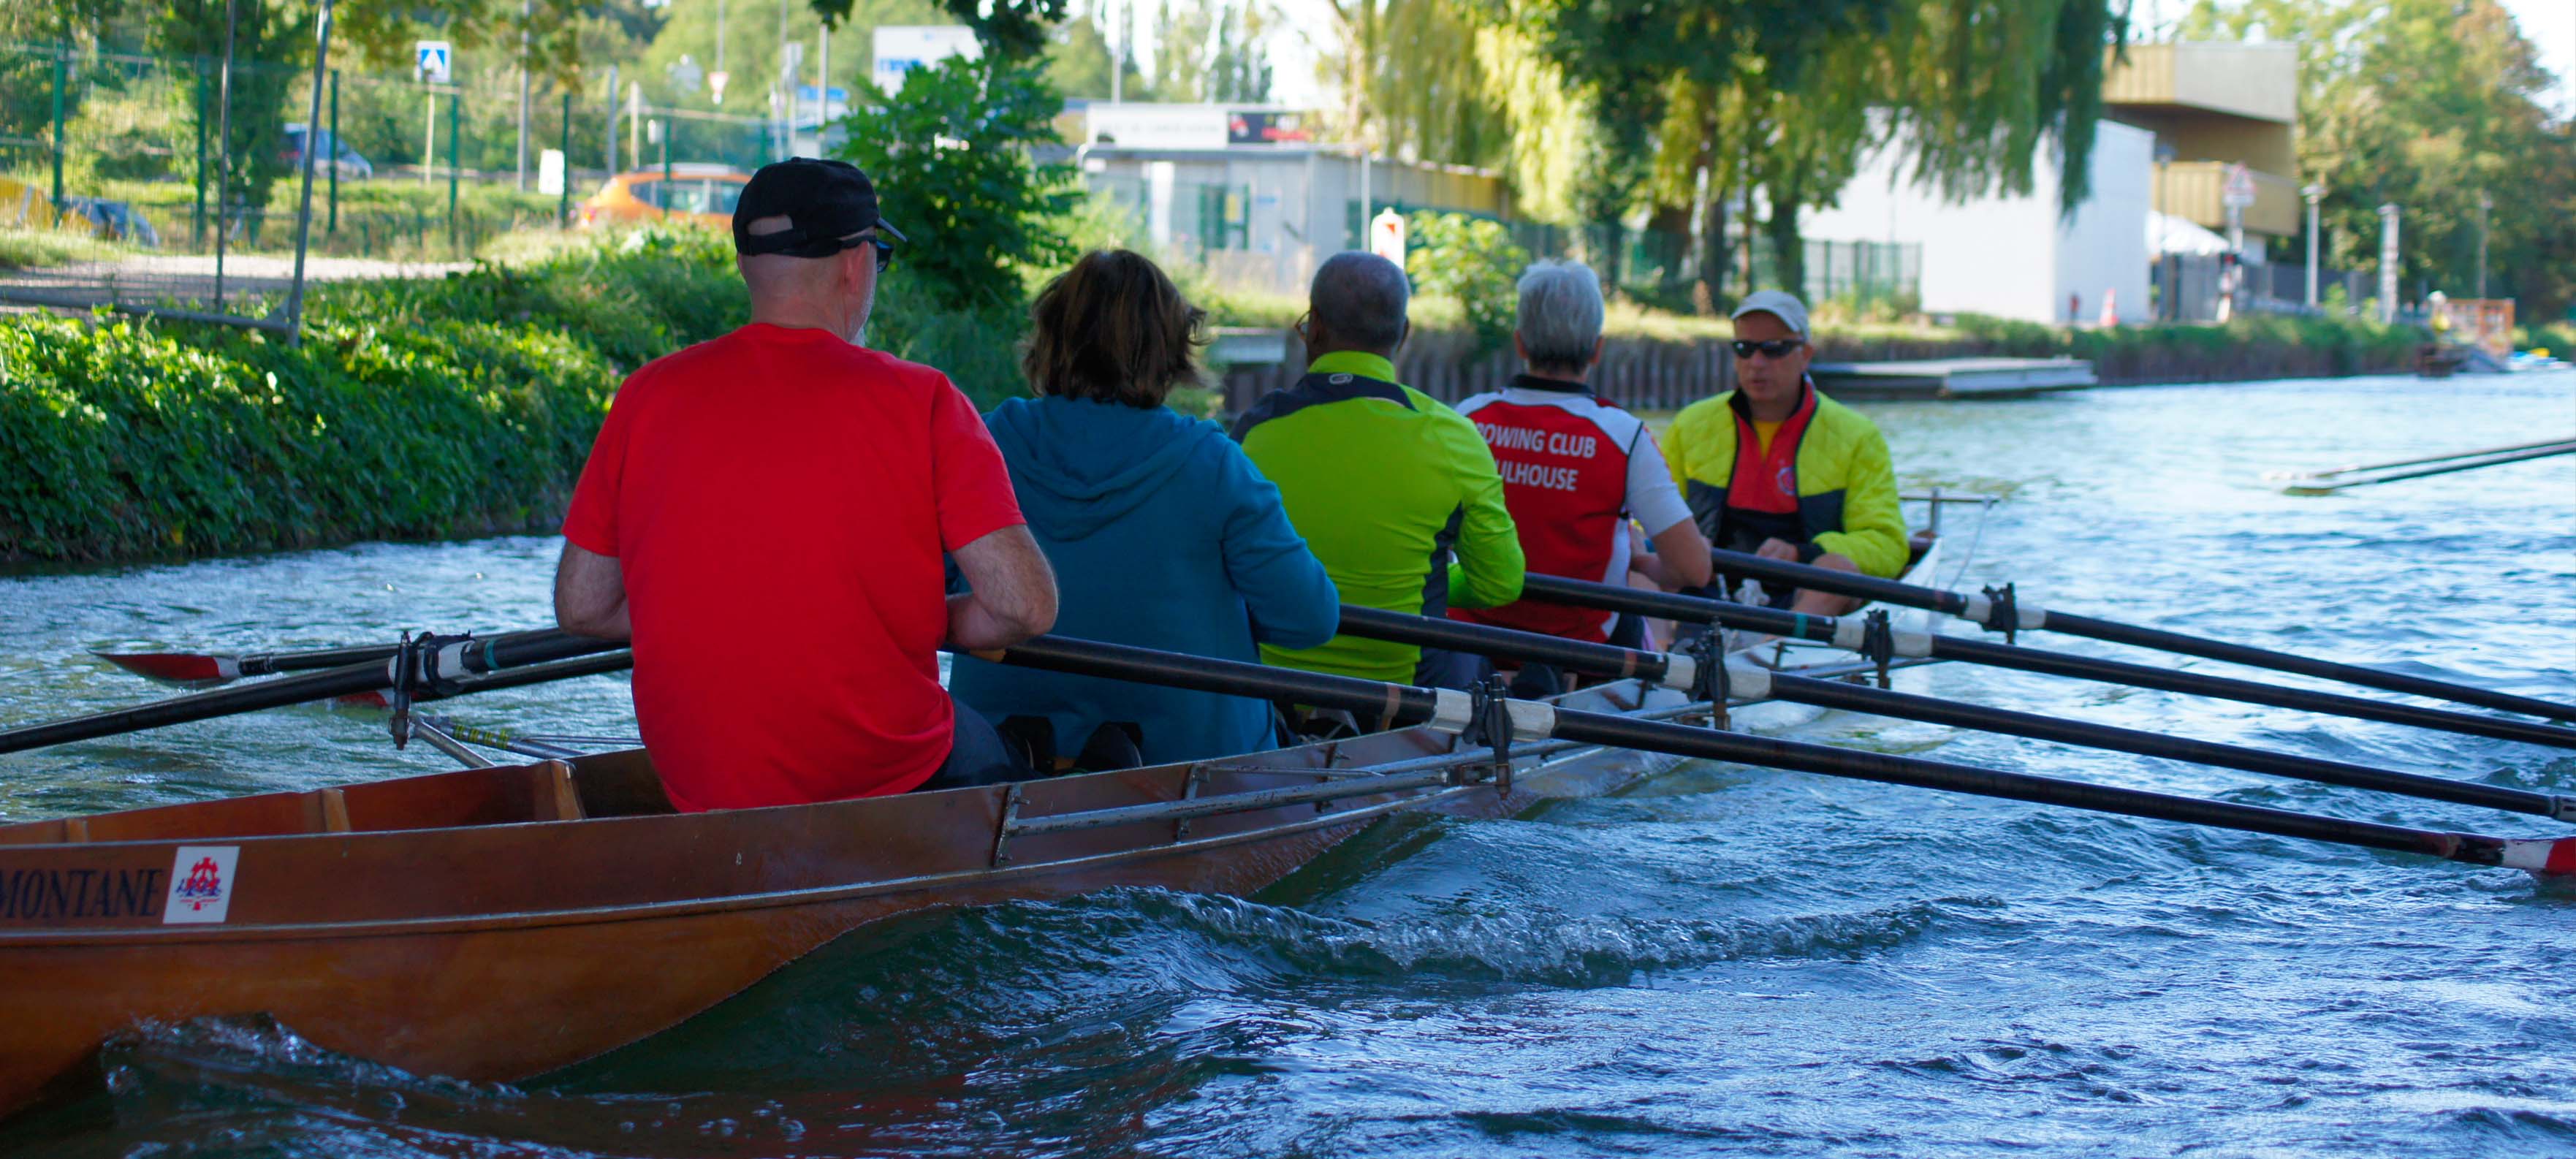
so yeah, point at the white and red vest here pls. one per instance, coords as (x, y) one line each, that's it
(1564, 457)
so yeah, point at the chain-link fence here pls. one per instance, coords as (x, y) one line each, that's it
(123, 154)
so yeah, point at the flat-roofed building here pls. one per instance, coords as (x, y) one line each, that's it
(2214, 104)
(1247, 190)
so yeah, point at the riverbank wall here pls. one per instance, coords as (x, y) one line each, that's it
(465, 405)
(1652, 374)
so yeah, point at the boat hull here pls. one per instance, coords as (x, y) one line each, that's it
(499, 951)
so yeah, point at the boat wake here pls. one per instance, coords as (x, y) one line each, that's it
(1527, 945)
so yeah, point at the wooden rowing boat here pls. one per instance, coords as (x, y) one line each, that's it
(500, 922)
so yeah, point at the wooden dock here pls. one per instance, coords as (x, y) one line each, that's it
(1952, 377)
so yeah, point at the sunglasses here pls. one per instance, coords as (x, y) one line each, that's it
(885, 250)
(1776, 348)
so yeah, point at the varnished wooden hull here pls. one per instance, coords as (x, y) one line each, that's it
(397, 921)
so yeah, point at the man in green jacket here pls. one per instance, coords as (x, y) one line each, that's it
(1395, 493)
(1777, 469)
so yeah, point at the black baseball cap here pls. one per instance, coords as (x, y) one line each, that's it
(824, 202)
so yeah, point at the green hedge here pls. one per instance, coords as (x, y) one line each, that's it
(2255, 346)
(413, 409)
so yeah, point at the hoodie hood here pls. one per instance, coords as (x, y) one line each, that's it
(1078, 465)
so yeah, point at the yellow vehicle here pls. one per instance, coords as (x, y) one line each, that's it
(701, 193)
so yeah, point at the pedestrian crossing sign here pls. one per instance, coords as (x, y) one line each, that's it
(430, 59)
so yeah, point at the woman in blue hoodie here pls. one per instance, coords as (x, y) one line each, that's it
(1162, 533)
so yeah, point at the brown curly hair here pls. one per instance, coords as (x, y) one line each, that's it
(1114, 329)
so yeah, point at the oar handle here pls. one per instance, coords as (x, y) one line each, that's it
(1826, 579)
(1507, 644)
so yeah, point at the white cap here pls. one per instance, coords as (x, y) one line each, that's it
(1777, 303)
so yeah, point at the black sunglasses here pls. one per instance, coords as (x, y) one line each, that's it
(1775, 348)
(885, 250)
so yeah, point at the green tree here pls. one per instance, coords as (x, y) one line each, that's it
(951, 153)
(2428, 104)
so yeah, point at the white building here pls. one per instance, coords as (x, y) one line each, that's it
(2014, 256)
(1244, 190)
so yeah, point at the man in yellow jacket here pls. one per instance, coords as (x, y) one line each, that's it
(1775, 468)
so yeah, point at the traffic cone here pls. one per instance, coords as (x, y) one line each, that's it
(2110, 307)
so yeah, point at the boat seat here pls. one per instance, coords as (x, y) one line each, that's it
(326, 811)
(556, 798)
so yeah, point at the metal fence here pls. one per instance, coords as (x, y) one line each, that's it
(127, 152)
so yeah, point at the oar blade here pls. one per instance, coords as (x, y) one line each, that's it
(2543, 857)
(177, 669)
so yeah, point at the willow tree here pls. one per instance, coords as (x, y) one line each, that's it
(1720, 97)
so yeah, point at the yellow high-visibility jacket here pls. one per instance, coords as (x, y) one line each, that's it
(1846, 484)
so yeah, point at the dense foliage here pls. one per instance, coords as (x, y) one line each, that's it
(1471, 259)
(949, 151)
(413, 409)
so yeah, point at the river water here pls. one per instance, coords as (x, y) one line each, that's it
(1720, 961)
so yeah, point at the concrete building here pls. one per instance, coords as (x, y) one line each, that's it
(2212, 104)
(1247, 191)
(2014, 256)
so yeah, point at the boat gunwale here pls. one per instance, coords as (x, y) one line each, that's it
(1413, 796)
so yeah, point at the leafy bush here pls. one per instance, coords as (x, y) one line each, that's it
(1472, 260)
(949, 155)
(413, 409)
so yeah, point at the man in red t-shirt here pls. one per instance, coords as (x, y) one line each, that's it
(765, 515)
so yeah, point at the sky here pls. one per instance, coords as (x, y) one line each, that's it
(2549, 24)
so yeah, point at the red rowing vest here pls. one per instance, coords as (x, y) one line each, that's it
(1563, 456)
(1767, 481)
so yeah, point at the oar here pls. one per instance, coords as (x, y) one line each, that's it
(1749, 681)
(1985, 612)
(2356, 468)
(1534, 721)
(1847, 632)
(451, 660)
(209, 670)
(2328, 486)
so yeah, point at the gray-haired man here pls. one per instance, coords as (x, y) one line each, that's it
(1576, 470)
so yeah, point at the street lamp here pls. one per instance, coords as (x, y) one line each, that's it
(2486, 203)
(2314, 193)
(2388, 264)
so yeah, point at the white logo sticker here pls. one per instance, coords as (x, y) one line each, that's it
(201, 884)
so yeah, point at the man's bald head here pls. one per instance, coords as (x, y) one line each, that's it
(834, 293)
(779, 275)
(1357, 303)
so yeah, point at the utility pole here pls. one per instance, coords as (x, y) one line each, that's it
(1118, 64)
(2388, 264)
(2314, 194)
(2486, 204)
(526, 11)
(608, 148)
